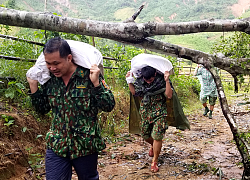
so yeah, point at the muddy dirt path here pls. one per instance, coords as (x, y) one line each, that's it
(188, 155)
(185, 154)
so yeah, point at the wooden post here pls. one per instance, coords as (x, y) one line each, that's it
(93, 40)
(191, 68)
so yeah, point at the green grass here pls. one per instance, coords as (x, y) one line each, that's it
(198, 41)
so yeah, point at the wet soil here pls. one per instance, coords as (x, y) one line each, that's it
(207, 151)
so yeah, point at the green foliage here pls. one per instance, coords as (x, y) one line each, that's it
(15, 90)
(17, 69)
(245, 15)
(113, 10)
(35, 160)
(11, 4)
(246, 137)
(122, 54)
(235, 46)
(186, 88)
(17, 93)
(9, 122)
(199, 41)
(24, 129)
(198, 168)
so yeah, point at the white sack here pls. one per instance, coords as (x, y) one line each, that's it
(83, 55)
(159, 63)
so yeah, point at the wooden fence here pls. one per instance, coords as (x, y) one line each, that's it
(186, 67)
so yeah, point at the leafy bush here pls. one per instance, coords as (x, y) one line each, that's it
(123, 55)
(235, 46)
(187, 87)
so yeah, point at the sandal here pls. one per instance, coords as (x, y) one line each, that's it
(154, 167)
(151, 152)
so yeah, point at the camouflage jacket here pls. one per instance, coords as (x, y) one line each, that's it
(153, 107)
(74, 128)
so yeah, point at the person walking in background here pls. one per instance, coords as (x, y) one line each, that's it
(208, 89)
(153, 88)
(75, 95)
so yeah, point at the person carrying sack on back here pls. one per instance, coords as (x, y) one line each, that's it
(149, 84)
(153, 88)
(75, 95)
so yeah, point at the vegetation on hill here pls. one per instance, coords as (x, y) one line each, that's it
(113, 10)
(167, 11)
(154, 10)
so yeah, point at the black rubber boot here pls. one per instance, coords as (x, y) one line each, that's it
(206, 111)
(210, 114)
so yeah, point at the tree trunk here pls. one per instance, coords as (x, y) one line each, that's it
(242, 145)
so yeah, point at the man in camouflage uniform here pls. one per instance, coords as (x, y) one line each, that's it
(208, 89)
(153, 88)
(74, 94)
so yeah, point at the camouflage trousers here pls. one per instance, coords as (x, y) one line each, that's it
(211, 99)
(156, 130)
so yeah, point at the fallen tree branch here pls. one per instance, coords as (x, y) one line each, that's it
(130, 32)
(232, 66)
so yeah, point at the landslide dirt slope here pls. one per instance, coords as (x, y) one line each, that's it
(240, 8)
(19, 142)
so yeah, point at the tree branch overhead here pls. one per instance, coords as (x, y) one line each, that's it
(130, 32)
(136, 34)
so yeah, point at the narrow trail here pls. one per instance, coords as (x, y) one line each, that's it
(185, 154)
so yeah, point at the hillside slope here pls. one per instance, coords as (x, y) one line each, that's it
(154, 10)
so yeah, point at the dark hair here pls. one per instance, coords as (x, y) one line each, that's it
(148, 72)
(57, 44)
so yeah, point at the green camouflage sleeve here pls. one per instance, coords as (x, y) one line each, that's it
(103, 97)
(40, 101)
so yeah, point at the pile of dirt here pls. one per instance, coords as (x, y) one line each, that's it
(21, 140)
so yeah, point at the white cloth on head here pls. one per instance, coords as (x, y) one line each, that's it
(83, 55)
(161, 64)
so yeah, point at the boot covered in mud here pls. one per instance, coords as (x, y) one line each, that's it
(210, 114)
(206, 111)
